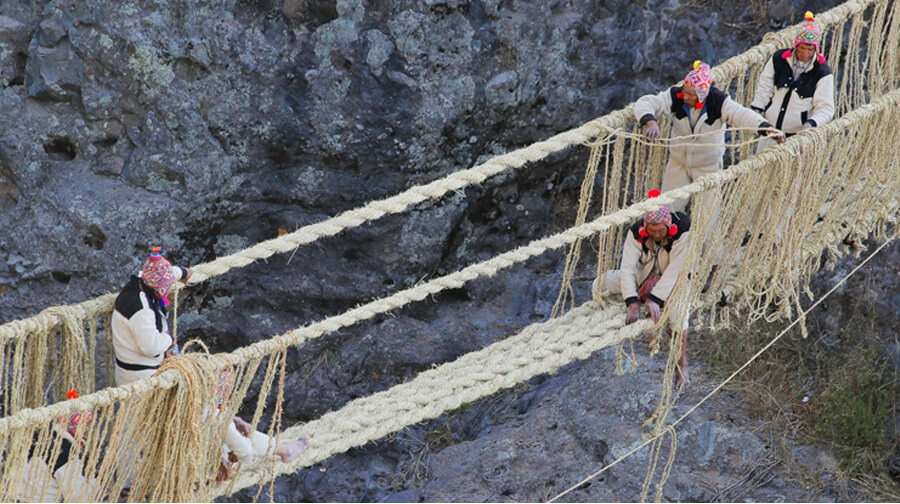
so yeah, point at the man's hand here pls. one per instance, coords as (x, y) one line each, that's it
(224, 473)
(652, 129)
(242, 426)
(776, 135)
(653, 310)
(187, 275)
(633, 313)
(807, 126)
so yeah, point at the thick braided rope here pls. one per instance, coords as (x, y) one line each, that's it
(539, 348)
(400, 202)
(727, 70)
(508, 352)
(800, 317)
(490, 267)
(49, 319)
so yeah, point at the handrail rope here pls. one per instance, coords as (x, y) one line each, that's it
(730, 68)
(489, 267)
(586, 329)
(719, 387)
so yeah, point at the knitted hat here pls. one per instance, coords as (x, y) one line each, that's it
(159, 275)
(701, 80)
(662, 215)
(74, 419)
(808, 33)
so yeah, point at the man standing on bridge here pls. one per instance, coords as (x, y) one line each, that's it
(140, 335)
(652, 257)
(700, 112)
(795, 90)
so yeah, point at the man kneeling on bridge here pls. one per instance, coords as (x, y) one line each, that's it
(652, 257)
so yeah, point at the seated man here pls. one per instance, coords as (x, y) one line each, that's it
(652, 257)
(242, 442)
(54, 474)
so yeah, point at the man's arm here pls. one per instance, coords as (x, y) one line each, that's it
(648, 108)
(631, 256)
(740, 116)
(765, 88)
(150, 341)
(822, 110)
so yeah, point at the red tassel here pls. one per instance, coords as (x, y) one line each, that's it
(698, 105)
(673, 230)
(821, 59)
(652, 193)
(72, 394)
(679, 95)
(642, 231)
(787, 54)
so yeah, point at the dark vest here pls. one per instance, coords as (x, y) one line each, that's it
(714, 101)
(804, 86)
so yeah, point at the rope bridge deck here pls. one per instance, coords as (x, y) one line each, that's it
(840, 195)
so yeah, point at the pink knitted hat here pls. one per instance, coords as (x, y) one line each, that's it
(808, 33)
(74, 419)
(662, 215)
(158, 274)
(700, 79)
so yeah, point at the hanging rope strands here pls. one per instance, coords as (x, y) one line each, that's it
(621, 156)
(182, 388)
(760, 229)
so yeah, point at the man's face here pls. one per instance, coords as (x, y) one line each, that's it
(690, 96)
(656, 231)
(804, 52)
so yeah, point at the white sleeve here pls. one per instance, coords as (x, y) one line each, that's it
(652, 104)
(150, 341)
(822, 110)
(676, 261)
(765, 86)
(73, 486)
(739, 116)
(631, 256)
(239, 444)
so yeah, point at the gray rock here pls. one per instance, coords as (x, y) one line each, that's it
(213, 128)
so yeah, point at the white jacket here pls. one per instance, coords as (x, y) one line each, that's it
(787, 102)
(718, 110)
(64, 482)
(638, 261)
(139, 329)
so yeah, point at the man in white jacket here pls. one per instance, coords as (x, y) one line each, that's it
(700, 112)
(795, 90)
(652, 258)
(53, 474)
(140, 333)
(244, 444)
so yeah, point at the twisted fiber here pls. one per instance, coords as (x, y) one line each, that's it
(726, 70)
(769, 156)
(400, 202)
(50, 318)
(721, 385)
(363, 421)
(539, 348)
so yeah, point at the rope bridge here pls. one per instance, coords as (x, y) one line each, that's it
(162, 437)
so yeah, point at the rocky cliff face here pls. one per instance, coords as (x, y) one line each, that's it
(210, 126)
